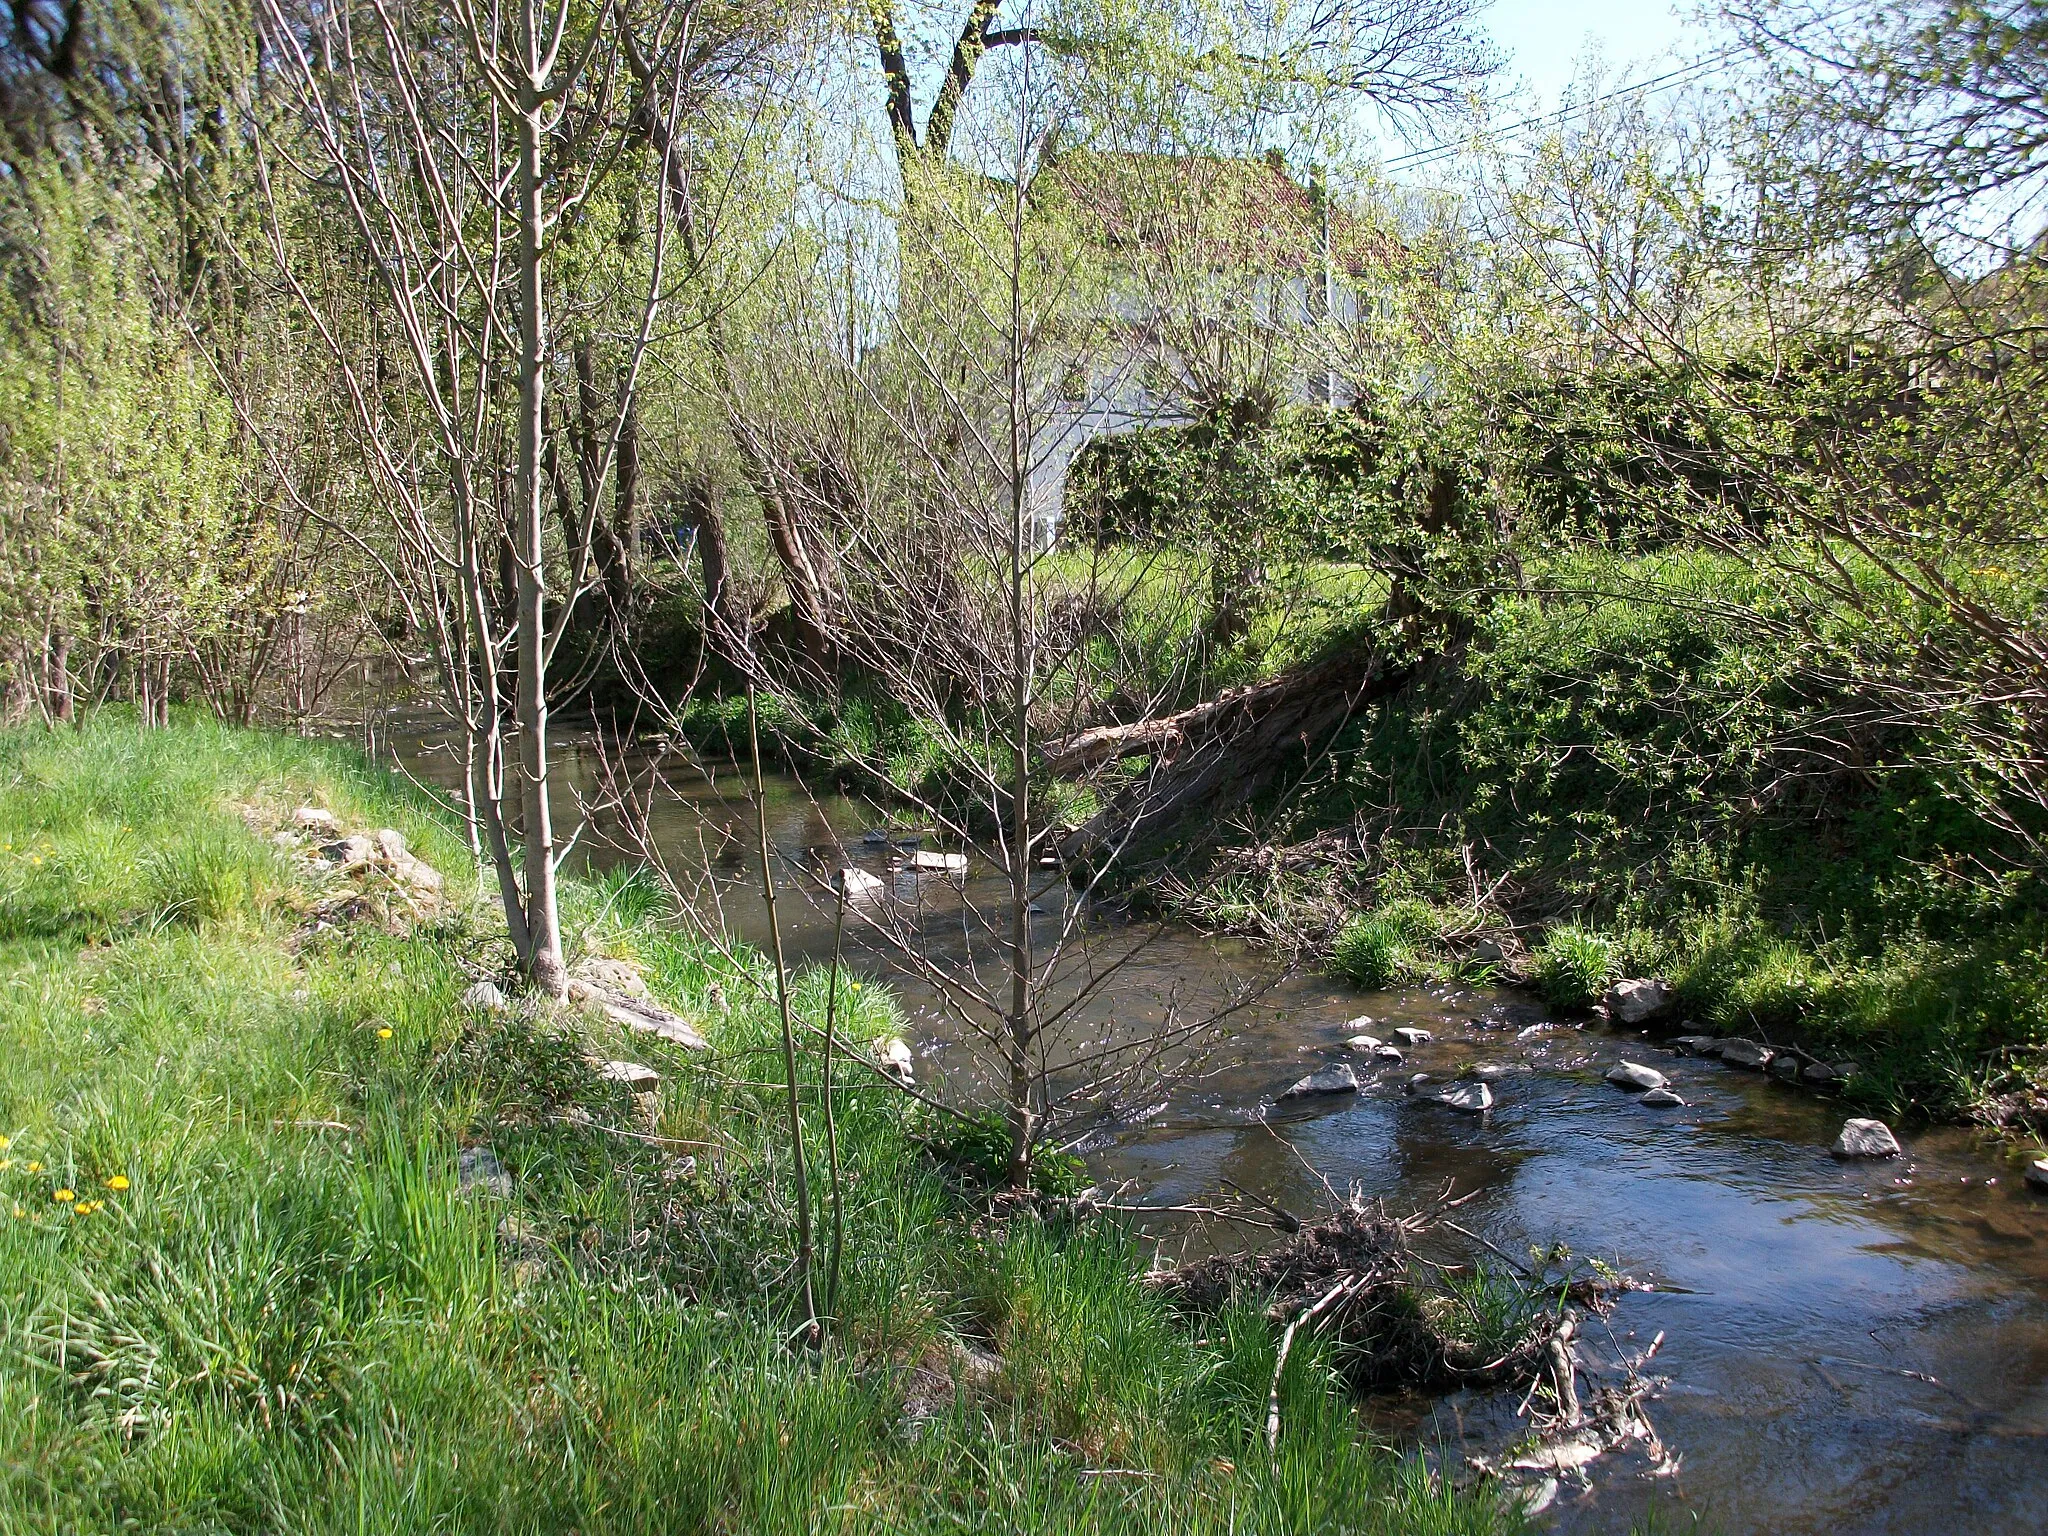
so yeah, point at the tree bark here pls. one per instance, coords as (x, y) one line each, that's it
(543, 960)
(1214, 757)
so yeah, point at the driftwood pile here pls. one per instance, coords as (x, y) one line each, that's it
(1399, 1320)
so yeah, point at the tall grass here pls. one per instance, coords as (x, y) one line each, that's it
(270, 1303)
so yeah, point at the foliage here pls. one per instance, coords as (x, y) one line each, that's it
(1572, 967)
(271, 1303)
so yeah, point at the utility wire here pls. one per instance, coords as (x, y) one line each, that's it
(1685, 74)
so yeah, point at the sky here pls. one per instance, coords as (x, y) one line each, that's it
(1544, 39)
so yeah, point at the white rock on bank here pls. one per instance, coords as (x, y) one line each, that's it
(1640, 1000)
(894, 1056)
(487, 996)
(1634, 1076)
(1866, 1138)
(1365, 1043)
(1413, 1036)
(1337, 1079)
(310, 818)
(632, 1075)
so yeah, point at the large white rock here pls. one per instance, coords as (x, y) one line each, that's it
(1413, 1037)
(1866, 1138)
(608, 975)
(1367, 1043)
(926, 863)
(1634, 1076)
(893, 1054)
(1337, 1079)
(1640, 1001)
(859, 885)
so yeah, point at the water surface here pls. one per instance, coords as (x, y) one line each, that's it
(1849, 1347)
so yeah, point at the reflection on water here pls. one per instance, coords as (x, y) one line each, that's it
(1851, 1347)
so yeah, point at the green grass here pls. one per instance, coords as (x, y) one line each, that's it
(1657, 784)
(292, 1318)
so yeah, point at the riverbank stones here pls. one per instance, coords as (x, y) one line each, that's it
(1786, 1067)
(1640, 1001)
(1413, 1037)
(1363, 1043)
(486, 997)
(1337, 1079)
(1634, 1077)
(893, 1055)
(2037, 1173)
(1866, 1138)
(1751, 1055)
(1695, 1045)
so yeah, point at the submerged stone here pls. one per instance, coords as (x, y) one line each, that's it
(1471, 1098)
(1696, 1045)
(1662, 1098)
(1634, 1076)
(1337, 1079)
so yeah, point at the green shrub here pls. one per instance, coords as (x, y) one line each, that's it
(1374, 950)
(1573, 966)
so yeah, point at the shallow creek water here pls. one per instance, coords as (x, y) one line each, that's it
(1849, 1347)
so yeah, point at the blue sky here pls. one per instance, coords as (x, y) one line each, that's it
(1545, 38)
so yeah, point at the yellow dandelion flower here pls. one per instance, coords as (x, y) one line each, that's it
(384, 1033)
(35, 1167)
(118, 1181)
(63, 1196)
(5, 1143)
(853, 986)
(18, 1211)
(6, 1163)
(87, 1207)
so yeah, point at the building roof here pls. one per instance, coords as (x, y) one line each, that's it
(1224, 208)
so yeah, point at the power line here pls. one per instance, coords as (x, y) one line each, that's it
(1685, 74)
(1430, 154)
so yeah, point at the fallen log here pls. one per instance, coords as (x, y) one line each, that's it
(1217, 755)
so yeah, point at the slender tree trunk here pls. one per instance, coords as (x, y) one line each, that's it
(722, 630)
(543, 957)
(801, 1166)
(1023, 660)
(61, 697)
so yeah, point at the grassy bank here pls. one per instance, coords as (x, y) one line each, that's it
(1617, 774)
(242, 1287)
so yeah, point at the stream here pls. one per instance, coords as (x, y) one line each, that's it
(1849, 1346)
